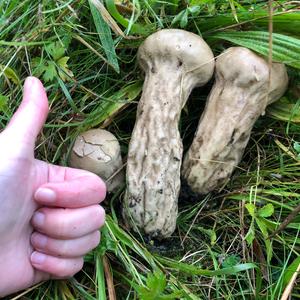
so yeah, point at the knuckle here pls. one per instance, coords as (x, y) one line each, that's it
(61, 226)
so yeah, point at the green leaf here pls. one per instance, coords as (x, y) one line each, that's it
(56, 50)
(251, 209)
(10, 74)
(107, 243)
(290, 270)
(285, 110)
(296, 147)
(269, 250)
(49, 71)
(266, 211)
(194, 10)
(134, 28)
(288, 22)
(184, 19)
(250, 236)
(105, 37)
(285, 277)
(263, 228)
(38, 66)
(193, 270)
(156, 281)
(155, 286)
(64, 70)
(231, 261)
(209, 232)
(46, 68)
(201, 2)
(286, 49)
(178, 17)
(271, 226)
(3, 104)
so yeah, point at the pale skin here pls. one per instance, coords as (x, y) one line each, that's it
(49, 215)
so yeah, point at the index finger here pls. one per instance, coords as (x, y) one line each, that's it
(71, 188)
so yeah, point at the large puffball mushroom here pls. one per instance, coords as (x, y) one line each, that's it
(98, 151)
(174, 61)
(242, 90)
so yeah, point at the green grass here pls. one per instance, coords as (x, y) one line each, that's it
(220, 249)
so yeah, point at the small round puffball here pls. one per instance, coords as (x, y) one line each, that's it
(98, 151)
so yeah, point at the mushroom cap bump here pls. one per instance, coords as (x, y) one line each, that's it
(241, 92)
(170, 50)
(98, 151)
(174, 62)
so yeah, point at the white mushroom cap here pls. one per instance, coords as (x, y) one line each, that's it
(246, 69)
(172, 49)
(98, 151)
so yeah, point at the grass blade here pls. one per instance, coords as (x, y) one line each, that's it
(186, 268)
(67, 94)
(105, 37)
(285, 110)
(284, 22)
(286, 49)
(134, 28)
(101, 290)
(110, 106)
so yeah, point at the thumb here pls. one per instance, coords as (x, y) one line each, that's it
(31, 115)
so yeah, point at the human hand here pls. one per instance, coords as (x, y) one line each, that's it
(49, 215)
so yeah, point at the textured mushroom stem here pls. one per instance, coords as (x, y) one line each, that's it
(154, 157)
(174, 61)
(239, 96)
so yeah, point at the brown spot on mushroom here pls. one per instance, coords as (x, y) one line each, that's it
(179, 63)
(232, 137)
(132, 204)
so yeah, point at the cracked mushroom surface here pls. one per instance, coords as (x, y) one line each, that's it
(174, 61)
(98, 151)
(241, 92)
